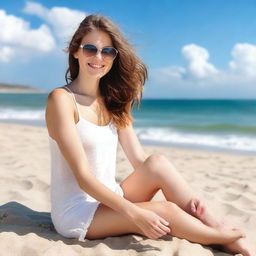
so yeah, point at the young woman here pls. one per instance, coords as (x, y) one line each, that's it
(85, 120)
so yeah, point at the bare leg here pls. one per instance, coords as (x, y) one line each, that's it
(158, 173)
(108, 222)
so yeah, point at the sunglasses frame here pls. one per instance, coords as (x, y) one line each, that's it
(100, 50)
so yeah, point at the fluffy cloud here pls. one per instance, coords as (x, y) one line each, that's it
(198, 65)
(64, 21)
(16, 35)
(198, 71)
(244, 60)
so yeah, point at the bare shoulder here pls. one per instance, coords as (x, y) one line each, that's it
(58, 109)
(58, 100)
(58, 94)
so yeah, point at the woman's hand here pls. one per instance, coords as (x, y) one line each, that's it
(152, 225)
(200, 211)
(197, 208)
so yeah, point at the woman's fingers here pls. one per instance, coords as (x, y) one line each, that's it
(152, 225)
(159, 231)
(152, 233)
(200, 208)
(163, 221)
(197, 207)
(165, 226)
(161, 228)
(193, 205)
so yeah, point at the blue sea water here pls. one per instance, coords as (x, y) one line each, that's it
(211, 124)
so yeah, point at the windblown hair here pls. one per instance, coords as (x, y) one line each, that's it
(123, 85)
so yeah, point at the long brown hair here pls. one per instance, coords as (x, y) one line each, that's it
(123, 85)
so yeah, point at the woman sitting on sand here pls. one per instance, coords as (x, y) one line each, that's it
(85, 120)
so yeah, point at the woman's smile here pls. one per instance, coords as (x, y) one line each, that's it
(95, 66)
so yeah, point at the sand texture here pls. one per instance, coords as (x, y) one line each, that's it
(226, 181)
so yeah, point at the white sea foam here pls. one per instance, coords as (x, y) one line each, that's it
(169, 136)
(21, 114)
(153, 135)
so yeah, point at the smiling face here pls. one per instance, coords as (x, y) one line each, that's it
(94, 66)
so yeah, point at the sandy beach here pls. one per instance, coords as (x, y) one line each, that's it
(226, 181)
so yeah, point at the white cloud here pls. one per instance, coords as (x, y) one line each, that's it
(244, 60)
(165, 74)
(174, 71)
(64, 21)
(16, 35)
(36, 8)
(199, 72)
(198, 65)
(16, 31)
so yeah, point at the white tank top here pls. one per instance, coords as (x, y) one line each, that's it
(100, 146)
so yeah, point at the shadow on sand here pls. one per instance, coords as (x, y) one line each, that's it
(20, 219)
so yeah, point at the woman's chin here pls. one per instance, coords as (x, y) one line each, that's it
(96, 74)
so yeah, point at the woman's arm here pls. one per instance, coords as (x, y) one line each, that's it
(61, 127)
(131, 146)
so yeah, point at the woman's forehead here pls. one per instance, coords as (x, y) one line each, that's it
(97, 37)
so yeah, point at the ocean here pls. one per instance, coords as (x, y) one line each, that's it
(218, 125)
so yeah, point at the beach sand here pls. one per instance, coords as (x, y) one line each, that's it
(226, 181)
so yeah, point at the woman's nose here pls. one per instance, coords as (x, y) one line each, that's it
(99, 55)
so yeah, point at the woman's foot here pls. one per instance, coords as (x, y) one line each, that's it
(240, 246)
(230, 235)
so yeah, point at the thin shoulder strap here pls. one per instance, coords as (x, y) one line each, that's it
(74, 101)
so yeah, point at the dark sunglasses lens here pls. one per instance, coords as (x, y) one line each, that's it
(90, 49)
(109, 52)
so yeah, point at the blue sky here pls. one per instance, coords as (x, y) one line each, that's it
(193, 49)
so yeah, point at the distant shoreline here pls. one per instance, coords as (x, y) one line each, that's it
(2, 91)
(7, 88)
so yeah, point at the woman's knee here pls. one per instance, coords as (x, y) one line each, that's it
(156, 163)
(154, 160)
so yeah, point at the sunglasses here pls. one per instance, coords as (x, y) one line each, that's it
(106, 52)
